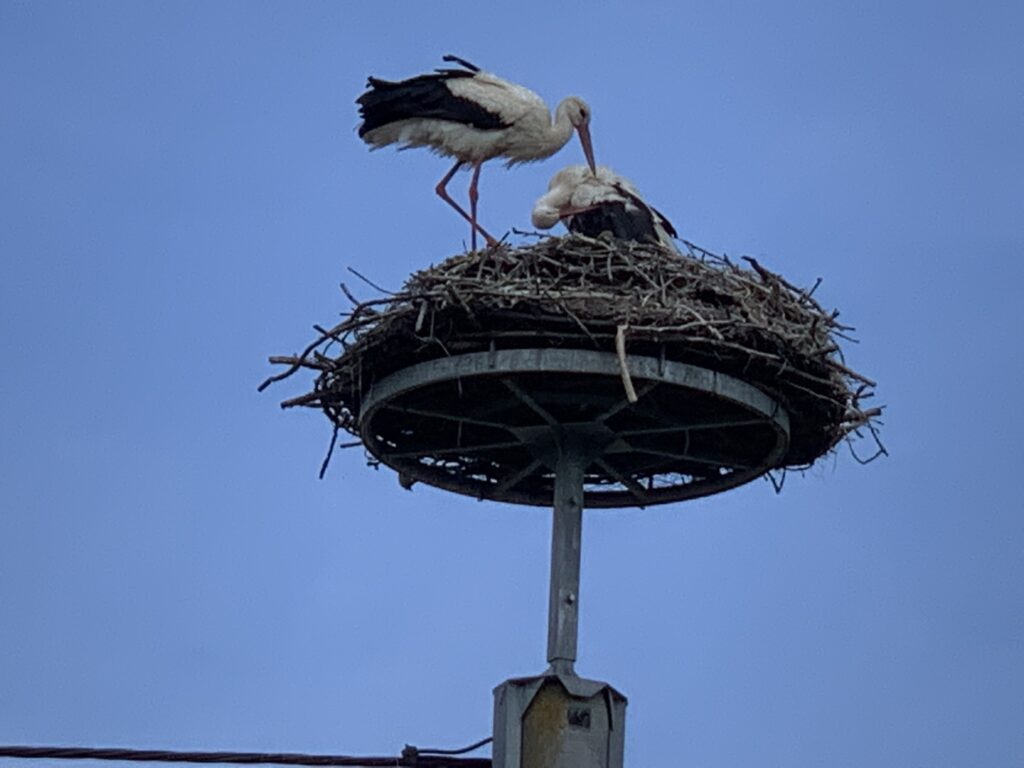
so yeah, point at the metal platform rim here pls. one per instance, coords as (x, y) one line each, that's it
(586, 362)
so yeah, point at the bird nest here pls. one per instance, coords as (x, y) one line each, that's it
(577, 292)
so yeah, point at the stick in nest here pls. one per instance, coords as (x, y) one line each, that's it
(620, 349)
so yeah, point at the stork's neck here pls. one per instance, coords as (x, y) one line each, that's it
(560, 130)
(538, 137)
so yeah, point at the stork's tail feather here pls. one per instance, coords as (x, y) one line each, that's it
(452, 58)
(424, 96)
(388, 101)
(665, 223)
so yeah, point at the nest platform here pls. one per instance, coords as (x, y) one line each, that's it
(671, 376)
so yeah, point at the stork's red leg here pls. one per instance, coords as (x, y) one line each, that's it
(472, 204)
(443, 194)
(473, 196)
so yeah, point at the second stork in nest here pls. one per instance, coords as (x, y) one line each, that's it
(592, 203)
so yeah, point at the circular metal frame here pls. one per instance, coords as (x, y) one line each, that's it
(491, 425)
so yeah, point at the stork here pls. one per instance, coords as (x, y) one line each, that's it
(473, 116)
(591, 202)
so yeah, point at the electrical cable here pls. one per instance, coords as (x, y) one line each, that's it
(414, 758)
(462, 751)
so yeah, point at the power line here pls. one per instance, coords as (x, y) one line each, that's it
(409, 749)
(410, 756)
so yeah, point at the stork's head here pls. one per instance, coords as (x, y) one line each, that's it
(579, 115)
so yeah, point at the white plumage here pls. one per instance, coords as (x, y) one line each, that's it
(593, 202)
(473, 116)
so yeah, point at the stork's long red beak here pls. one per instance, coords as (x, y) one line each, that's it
(588, 148)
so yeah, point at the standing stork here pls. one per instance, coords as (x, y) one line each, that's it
(590, 203)
(473, 116)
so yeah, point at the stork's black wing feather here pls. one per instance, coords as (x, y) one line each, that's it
(424, 96)
(627, 219)
(665, 223)
(617, 218)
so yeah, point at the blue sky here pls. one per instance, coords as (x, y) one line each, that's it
(182, 191)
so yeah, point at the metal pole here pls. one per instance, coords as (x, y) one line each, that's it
(566, 529)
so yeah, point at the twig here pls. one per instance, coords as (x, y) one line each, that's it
(529, 233)
(311, 397)
(293, 360)
(348, 294)
(420, 317)
(620, 349)
(852, 374)
(370, 283)
(330, 451)
(294, 366)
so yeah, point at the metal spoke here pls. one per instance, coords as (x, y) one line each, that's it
(447, 417)
(510, 481)
(428, 451)
(687, 457)
(696, 426)
(533, 404)
(638, 490)
(624, 402)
